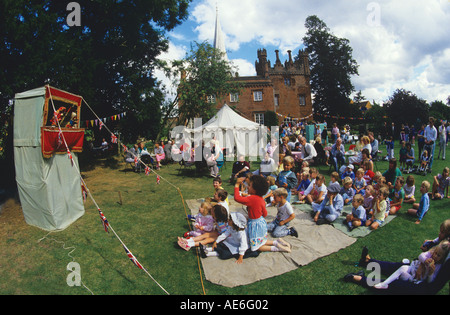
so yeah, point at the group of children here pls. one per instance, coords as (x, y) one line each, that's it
(371, 197)
(231, 233)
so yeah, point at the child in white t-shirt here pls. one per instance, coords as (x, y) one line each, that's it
(285, 214)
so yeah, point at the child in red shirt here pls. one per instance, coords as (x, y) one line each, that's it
(256, 207)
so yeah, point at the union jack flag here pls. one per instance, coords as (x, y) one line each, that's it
(136, 161)
(147, 170)
(125, 149)
(158, 179)
(132, 258)
(113, 139)
(104, 221)
(101, 125)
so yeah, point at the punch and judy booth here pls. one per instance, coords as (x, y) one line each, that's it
(47, 138)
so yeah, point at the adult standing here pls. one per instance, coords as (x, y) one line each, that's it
(421, 138)
(430, 135)
(334, 133)
(442, 140)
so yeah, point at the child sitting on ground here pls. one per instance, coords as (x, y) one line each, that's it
(220, 216)
(232, 243)
(204, 222)
(359, 183)
(331, 206)
(221, 196)
(348, 172)
(269, 196)
(378, 214)
(347, 191)
(334, 178)
(358, 215)
(420, 209)
(409, 189)
(369, 198)
(287, 178)
(397, 196)
(368, 173)
(440, 185)
(285, 214)
(304, 184)
(217, 184)
(316, 191)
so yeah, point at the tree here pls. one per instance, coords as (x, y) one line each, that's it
(332, 65)
(404, 107)
(439, 110)
(206, 77)
(109, 59)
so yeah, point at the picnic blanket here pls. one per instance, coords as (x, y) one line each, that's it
(313, 242)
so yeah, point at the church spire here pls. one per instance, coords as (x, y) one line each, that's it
(219, 42)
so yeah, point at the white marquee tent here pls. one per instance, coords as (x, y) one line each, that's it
(233, 130)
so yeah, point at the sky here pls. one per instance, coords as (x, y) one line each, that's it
(398, 44)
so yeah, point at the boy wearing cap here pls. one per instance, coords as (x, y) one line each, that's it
(331, 206)
(280, 226)
(348, 172)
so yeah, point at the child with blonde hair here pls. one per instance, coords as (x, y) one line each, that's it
(347, 191)
(409, 189)
(369, 198)
(285, 214)
(444, 234)
(359, 183)
(287, 178)
(425, 268)
(204, 222)
(378, 213)
(420, 209)
(358, 215)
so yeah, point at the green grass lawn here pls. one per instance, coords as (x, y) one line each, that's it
(149, 220)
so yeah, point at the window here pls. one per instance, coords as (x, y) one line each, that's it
(234, 97)
(287, 81)
(302, 100)
(211, 99)
(257, 96)
(276, 100)
(259, 118)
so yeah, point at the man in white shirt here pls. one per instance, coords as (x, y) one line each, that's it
(430, 139)
(442, 139)
(308, 150)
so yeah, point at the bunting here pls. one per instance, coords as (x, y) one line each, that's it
(101, 121)
(105, 222)
(132, 258)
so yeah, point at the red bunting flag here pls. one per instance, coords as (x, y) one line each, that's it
(147, 170)
(158, 179)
